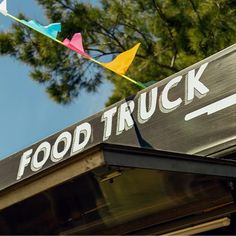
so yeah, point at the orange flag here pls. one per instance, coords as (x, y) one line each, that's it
(123, 61)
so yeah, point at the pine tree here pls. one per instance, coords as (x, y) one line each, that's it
(174, 34)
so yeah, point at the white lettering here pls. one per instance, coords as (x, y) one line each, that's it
(66, 138)
(147, 106)
(107, 118)
(194, 87)
(24, 161)
(78, 146)
(165, 104)
(44, 147)
(125, 120)
(145, 114)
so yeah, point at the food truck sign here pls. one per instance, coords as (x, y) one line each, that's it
(73, 144)
(180, 114)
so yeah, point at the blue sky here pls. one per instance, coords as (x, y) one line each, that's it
(27, 114)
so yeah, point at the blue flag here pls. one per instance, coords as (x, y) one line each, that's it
(50, 31)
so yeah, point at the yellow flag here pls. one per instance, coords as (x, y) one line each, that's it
(123, 61)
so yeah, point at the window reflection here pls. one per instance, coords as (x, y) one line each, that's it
(130, 200)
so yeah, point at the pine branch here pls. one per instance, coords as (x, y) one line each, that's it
(199, 17)
(165, 20)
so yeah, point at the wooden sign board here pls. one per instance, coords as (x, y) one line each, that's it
(191, 112)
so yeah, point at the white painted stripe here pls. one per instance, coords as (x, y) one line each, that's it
(212, 108)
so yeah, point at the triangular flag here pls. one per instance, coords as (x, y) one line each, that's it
(76, 44)
(123, 61)
(50, 31)
(3, 7)
(53, 29)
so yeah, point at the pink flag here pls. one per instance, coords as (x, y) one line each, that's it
(76, 44)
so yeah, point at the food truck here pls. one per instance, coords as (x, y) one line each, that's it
(159, 162)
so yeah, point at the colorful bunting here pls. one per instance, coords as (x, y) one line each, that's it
(119, 65)
(123, 61)
(50, 31)
(76, 44)
(3, 7)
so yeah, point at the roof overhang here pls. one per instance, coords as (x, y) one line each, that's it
(115, 156)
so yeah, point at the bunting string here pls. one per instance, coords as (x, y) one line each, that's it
(119, 65)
